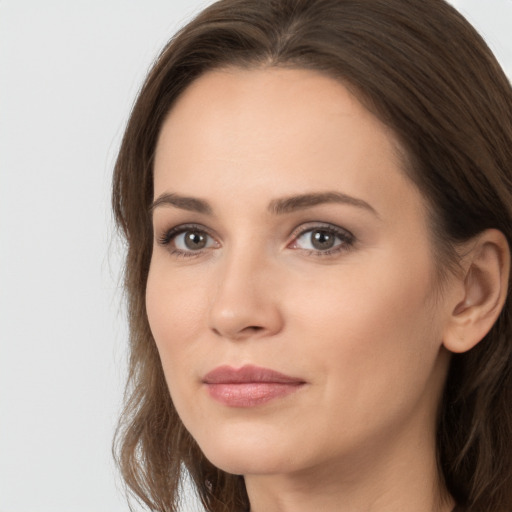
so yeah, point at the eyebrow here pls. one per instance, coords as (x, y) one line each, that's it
(276, 206)
(303, 201)
(191, 204)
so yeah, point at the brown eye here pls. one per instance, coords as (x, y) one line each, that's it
(195, 240)
(322, 239)
(188, 240)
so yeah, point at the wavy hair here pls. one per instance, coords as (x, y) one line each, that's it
(422, 69)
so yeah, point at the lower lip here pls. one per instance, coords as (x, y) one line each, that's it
(250, 394)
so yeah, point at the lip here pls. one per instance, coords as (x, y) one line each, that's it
(249, 386)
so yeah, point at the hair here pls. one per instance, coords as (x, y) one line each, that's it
(424, 71)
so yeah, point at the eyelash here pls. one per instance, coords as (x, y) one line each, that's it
(172, 233)
(346, 238)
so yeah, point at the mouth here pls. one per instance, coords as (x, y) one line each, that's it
(248, 386)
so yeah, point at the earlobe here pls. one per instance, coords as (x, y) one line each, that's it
(485, 284)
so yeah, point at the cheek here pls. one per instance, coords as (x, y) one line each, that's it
(381, 295)
(376, 323)
(373, 346)
(176, 314)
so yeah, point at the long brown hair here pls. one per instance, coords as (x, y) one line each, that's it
(424, 71)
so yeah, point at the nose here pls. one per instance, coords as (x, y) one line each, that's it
(246, 302)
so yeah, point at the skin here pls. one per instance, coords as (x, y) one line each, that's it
(362, 326)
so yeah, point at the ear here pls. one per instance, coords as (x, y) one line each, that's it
(480, 293)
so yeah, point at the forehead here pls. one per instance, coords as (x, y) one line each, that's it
(268, 101)
(260, 130)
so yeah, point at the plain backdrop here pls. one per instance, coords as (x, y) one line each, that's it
(69, 72)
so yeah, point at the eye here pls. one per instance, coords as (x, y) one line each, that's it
(192, 241)
(186, 240)
(323, 239)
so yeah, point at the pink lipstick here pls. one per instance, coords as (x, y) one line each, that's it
(248, 386)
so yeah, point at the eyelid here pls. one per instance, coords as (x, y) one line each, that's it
(168, 235)
(346, 237)
(312, 225)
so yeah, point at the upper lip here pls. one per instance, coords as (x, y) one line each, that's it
(246, 374)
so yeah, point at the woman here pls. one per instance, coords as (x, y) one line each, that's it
(316, 196)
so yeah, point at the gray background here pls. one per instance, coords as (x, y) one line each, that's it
(69, 72)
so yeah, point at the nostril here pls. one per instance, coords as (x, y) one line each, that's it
(240, 333)
(251, 329)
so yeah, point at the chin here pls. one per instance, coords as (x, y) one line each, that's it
(242, 462)
(243, 453)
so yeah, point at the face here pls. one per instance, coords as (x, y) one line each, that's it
(291, 288)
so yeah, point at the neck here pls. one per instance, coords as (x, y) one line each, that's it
(368, 482)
